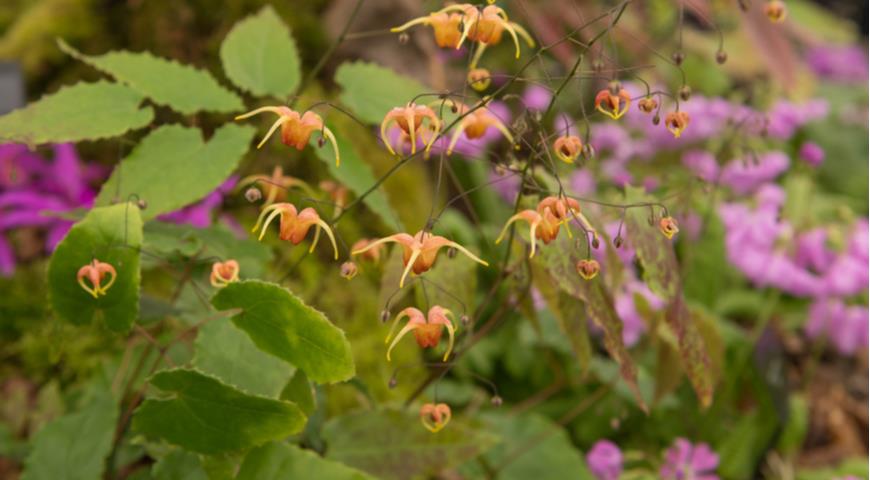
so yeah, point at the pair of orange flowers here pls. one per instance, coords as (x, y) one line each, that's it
(421, 121)
(453, 24)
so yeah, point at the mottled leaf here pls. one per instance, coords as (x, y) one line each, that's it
(224, 351)
(172, 167)
(279, 323)
(559, 259)
(111, 235)
(570, 313)
(371, 90)
(279, 461)
(260, 56)
(206, 416)
(75, 446)
(84, 111)
(392, 444)
(166, 82)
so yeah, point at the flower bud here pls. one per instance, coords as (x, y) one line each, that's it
(588, 152)
(496, 400)
(451, 252)
(253, 194)
(142, 204)
(678, 58)
(617, 241)
(668, 226)
(403, 38)
(685, 92)
(597, 65)
(615, 87)
(479, 79)
(349, 270)
(656, 119)
(465, 319)
(595, 243)
(721, 57)
(385, 316)
(393, 382)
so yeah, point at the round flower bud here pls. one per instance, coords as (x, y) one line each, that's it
(253, 194)
(349, 270)
(496, 400)
(721, 57)
(678, 58)
(685, 92)
(385, 316)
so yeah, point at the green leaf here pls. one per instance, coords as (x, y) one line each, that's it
(178, 465)
(227, 353)
(559, 259)
(569, 313)
(84, 111)
(166, 82)
(533, 447)
(260, 56)
(371, 90)
(451, 283)
(393, 444)
(279, 323)
(111, 235)
(206, 416)
(173, 167)
(75, 446)
(298, 390)
(279, 461)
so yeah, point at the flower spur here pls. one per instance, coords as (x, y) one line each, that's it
(296, 129)
(474, 124)
(294, 225)
(420, 251)
(427, 329)
(547, 218)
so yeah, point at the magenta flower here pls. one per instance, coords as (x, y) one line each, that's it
(847, 64)
(685, 461)
(605, 460)
(812, 153)
(702, 164)
(200, 214)
(845, 326)
(537, 97)
(745, 175)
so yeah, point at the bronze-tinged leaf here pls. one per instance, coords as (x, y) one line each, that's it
(661, 272)
(559, 258)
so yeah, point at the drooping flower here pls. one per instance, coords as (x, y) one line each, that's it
(349, 270)
(373, 254)
(435, 416)
(445, 23)
(588, 268)
(775, 11)
(605, 460)
(475, 123)
(545, 221)
(486, 26)
(647, 104)
(479, 79)
(427, 329)
(296, 129)
(668, 226)
(614, 106)
(294, 225)
(410, 120)
(224, 273)
(96, 272)
(568, 148)
(676, 122)
(685, 461)
(420, 251)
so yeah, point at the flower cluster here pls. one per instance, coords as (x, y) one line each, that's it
(683, 461)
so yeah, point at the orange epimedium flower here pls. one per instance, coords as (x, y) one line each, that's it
(588, 268)
(224, 273)
(296, 129)
(373, 254)
(410, 120)
(647, 104)
(444, 24)
(676, 122)
(420, 251)
(276, 185)
(486, 26)
(545, 221)
(668, 226)
(474, 124)
(95, 273)
(614, 106)
(294, 225)
(479, 79)
(427, 329)
(435, 416)
(568, 148)
(776, 11)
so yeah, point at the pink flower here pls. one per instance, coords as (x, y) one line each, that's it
(685, 461)
(605, 460)
(812, 153)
